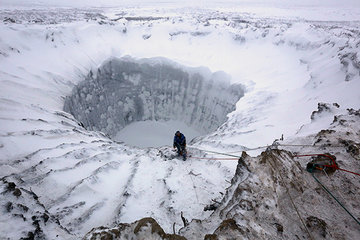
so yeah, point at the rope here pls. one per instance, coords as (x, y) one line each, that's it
(277, 144)
(306, 145)
(225, 154)
(337, 190)
(316, 154)
(334, 165)
(341, 169)
(251, 149)
(214, 158)
(292, 201)
(194, 187)
(286, 145)
(317, 180)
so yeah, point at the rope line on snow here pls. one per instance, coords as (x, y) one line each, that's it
(292, 201)
(317, 180)
(334, 165)
(225, 154)
(272, 145)
(341, 169)
(251, 149)
(334, 187)
(287, 145)
(194, 187)
(208, 158)
(308, 145)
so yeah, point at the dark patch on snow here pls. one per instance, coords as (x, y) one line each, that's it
(323, 107)
(9, 206)
(145, 19)
(316, 225)
(351, 147)
(230, 228)
(9, 20)
(211, 237)
(279, 227)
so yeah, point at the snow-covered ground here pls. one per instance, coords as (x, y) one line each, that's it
(154, 133)
(286, 59)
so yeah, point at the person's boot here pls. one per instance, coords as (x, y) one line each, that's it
(184, 155)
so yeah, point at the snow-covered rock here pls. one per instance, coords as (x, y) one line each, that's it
(146, 228)
(272, 196)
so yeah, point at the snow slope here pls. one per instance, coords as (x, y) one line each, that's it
(82, 179)
(273, 196)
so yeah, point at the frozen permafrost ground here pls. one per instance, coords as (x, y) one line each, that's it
(126, 91)
(243, 79)
(272, 196)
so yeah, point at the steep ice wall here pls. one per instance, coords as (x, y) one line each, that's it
(126, 90)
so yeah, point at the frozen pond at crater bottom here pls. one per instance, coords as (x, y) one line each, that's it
(154, 133)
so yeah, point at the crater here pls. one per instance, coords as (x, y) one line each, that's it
(139, 101)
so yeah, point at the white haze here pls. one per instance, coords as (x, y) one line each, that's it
(203, 3)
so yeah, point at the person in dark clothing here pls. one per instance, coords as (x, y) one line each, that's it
(180, 144)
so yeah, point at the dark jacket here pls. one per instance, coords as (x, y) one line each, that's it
(180, 140)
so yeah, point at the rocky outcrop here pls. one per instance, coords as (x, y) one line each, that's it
(32, 219)
(272, 196)
(324, 107)
(146, 228)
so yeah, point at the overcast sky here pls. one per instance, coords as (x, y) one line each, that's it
(99, 3)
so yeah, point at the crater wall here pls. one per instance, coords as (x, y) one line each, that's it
(125, 90)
